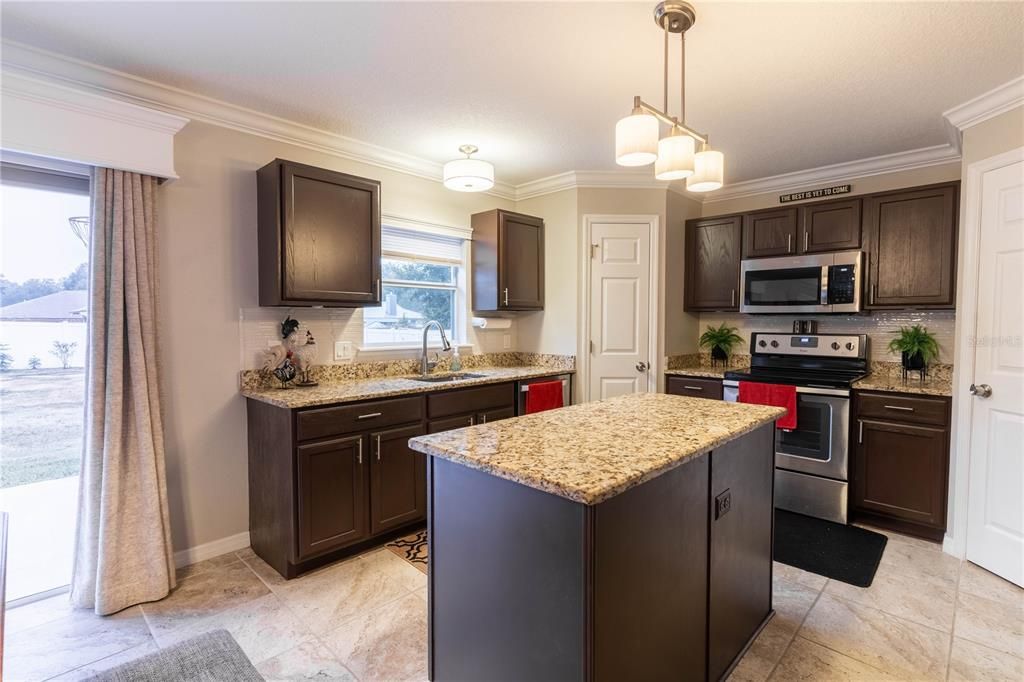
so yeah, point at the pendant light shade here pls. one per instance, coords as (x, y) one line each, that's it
(468, 175)
(636, 139)
(675, 157)
(708, 171)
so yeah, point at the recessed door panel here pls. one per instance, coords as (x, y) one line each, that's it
(620, 251)
(612, 387)
(620, 298)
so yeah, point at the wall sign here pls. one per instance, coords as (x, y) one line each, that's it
(814, 193)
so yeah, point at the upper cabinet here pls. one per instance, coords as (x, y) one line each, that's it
(713, 247)
(770, 233)
(508, 261)
(830, 226)
(319, 237)
(910, 239)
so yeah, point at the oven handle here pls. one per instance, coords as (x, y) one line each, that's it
(803, 390)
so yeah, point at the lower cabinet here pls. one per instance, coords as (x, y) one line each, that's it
(694, 387)
(901, 462)
(398, 480)
(331, 495)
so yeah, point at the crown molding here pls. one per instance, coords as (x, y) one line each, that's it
(91, 78)
(1007, 96)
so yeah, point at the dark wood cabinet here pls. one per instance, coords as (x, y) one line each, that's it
(830, 226)
(508, 261)
(901, 462)
(332, 495)
(911, 247)
(695, 387)
(713, 247)
(319, 237)
(398, 480)
(770, 233)
(470, 406)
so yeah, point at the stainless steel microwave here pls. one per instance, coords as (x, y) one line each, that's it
(812, 283)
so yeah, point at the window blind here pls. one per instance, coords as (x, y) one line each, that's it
(400, 243)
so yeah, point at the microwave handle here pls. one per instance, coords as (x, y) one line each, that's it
(824, 285)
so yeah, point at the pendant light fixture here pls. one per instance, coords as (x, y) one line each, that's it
(674, 156)
(468, 174)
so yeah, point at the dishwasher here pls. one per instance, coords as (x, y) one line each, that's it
(523, 387)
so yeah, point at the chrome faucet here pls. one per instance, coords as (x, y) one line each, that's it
(426, 365)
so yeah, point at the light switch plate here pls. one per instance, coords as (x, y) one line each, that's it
(343, 350)
(506, 341)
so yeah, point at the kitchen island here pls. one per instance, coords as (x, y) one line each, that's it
(624, 539)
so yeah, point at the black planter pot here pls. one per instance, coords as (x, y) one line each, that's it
(913, 362)
(718, 355)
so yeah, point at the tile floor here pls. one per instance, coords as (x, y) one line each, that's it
(927, 616)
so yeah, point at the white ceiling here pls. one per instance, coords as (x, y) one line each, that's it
(538, 86)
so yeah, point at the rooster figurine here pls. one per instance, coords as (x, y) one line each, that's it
(305, 357)
(279, 358)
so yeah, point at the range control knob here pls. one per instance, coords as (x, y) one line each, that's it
(775, 344)
(835, 345)
(762, 343)
(849, 345)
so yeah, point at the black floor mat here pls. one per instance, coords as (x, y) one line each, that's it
(833, 550)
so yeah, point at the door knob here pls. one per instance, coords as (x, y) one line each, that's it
(642, 366)
(981, 390)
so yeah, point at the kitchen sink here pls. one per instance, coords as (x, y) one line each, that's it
(440, 378)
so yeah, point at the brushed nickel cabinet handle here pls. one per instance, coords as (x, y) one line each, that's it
(378, 447)
(483, 419)
(369, 416)
(900, 408)
(732, 298)
(378, 288)
(789, 243)
(694, 388)
(506, 295)
(471, 421)
(860, 432)
(360, 449)
(806, 235)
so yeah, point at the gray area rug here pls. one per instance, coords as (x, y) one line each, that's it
(211, 657)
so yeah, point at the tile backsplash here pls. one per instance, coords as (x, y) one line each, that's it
(879, 326)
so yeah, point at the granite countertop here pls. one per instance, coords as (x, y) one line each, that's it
(706, 372)
(386, 387)
(894, 383)
(591, 452)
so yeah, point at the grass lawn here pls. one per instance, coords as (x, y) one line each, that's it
(40, 424)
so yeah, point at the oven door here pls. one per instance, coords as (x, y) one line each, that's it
(819, 444)
(785, 285)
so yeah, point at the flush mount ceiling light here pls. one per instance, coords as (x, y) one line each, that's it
(468, 175)
(674, 156)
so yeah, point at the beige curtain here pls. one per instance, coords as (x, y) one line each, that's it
(123, 545)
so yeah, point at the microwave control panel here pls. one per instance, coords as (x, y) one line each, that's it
(842, 283)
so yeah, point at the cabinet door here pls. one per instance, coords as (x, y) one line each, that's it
(713, 263)
(398, 480)
(911, 244)
(495, 415)
(901, 471)
(521, 262)
(330, 241)
(694, 387)
(831, 226)
(332, 495)
(769, 233)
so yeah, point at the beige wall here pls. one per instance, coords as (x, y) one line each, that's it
(681, 328)
(866, 185)
(208, 275)
(996, 135)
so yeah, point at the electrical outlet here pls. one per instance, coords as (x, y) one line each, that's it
(506, 341)
(723, 503)
(343, 350)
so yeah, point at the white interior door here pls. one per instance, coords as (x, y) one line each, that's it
(995, 507)
(620, 276)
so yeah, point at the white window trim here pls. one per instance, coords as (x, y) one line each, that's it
(461, 320)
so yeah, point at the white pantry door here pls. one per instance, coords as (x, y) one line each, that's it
(995, 507)
(620, 281)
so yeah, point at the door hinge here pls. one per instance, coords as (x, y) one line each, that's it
(593, 250)
(591, 347)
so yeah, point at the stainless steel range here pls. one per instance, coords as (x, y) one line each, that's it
(811, 461)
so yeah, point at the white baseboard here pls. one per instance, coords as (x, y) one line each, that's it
(208, 550)
(954, 546)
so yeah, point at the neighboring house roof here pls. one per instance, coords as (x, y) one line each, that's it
(378, 315)
(70, 305)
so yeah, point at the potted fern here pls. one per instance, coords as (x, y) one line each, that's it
(721, 341)
(916, 346)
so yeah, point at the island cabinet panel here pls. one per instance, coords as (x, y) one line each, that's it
(319, 237)
(740, 568)
(696, 387)
(830, 226)
(901, 462)
(398, 479)
(770, 233)
(649, 537)
(911, 245)
(332, 495)
(508, 261)
(713, 248)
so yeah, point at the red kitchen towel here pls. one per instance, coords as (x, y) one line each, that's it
(776, 395)
(544, 395)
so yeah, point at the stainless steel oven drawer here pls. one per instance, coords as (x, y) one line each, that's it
(822, 498)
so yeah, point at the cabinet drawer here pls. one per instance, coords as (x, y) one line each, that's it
(903, 408)
(466, 400)
(330, 421)
(694, 387)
